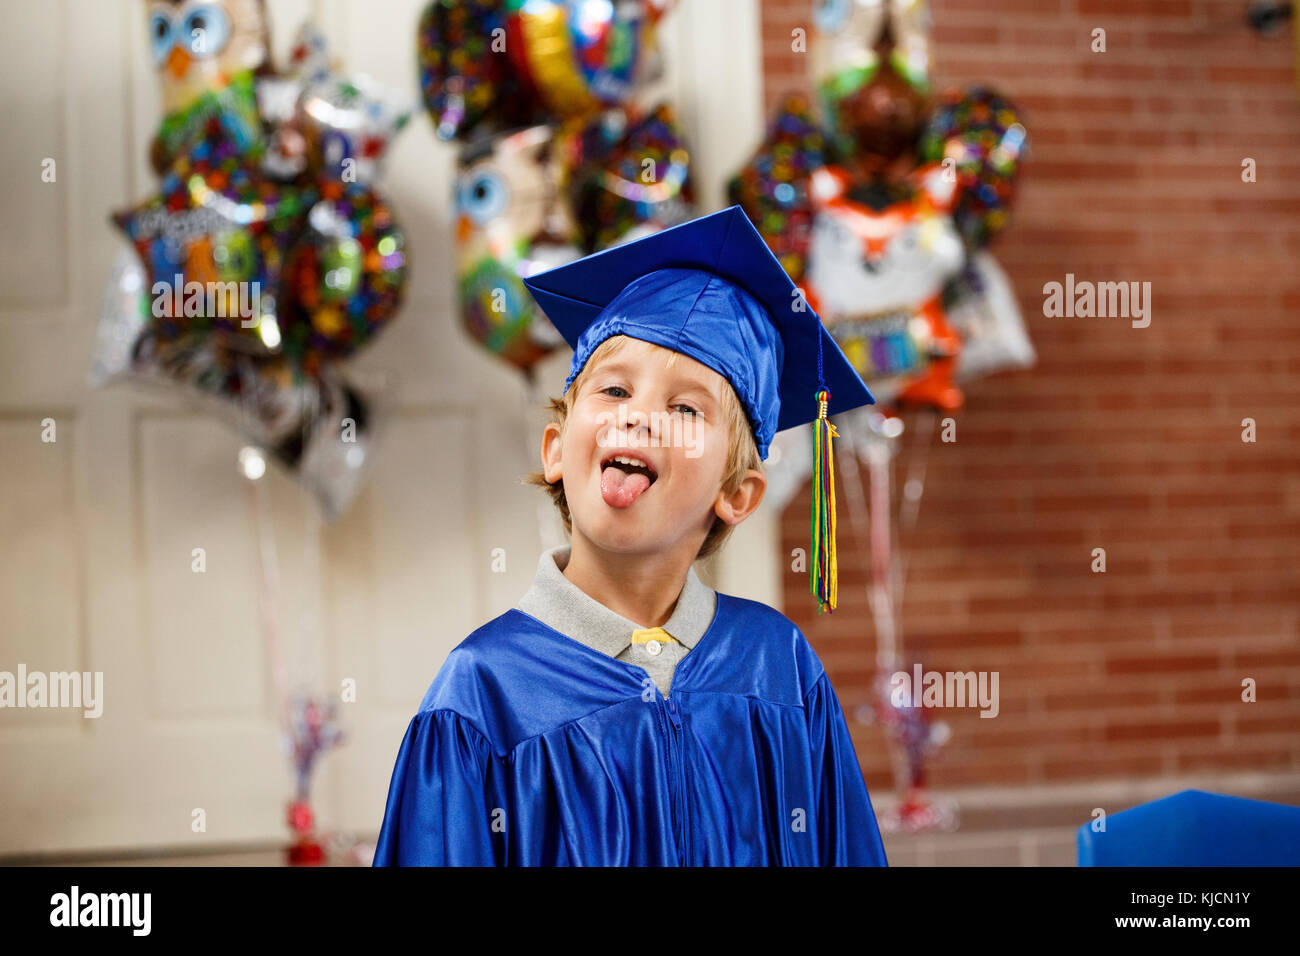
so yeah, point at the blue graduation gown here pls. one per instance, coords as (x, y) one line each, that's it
(531, 748)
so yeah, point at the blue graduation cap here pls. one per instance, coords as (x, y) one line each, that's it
(712, 289)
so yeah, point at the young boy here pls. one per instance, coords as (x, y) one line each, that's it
(624, 712)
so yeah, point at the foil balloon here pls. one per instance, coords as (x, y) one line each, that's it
(123, 320)
(773, 186)
(320, 429)
(309, 58)
(233, 109)
(909, 24)
(267, 256)
(843, 49)
(349, 123)
(196, 46)
(874, 128)
(580, 56)
(260, 395)
(979, 135)
(279, 99)
(214, 243)
(278, 102)
(631, 176)
(879, 259)
(981, 305)
(334, 445)
(872, 109)
(321, 121)
(205, 54)
(467, 78)
(556, 161)
(285, 152)
(510, 223)
(344, 277)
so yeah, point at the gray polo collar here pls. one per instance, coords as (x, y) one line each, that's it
(560, 604)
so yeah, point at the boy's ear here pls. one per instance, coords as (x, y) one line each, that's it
(552, 452)
(740, 504)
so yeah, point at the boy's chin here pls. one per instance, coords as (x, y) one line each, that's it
(629, 538)
(622, 530)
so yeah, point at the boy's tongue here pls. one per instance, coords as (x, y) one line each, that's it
(620, 488)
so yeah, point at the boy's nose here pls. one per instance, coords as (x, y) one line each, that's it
(639, 424)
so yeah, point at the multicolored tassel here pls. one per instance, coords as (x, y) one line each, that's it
(824, 574)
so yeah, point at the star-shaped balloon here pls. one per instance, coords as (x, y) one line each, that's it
(214, 243)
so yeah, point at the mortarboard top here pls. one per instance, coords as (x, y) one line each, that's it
(711, 289)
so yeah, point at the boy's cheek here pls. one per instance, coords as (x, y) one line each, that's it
(702, 441)
(593, 430)
(692, 439)
(575, 466)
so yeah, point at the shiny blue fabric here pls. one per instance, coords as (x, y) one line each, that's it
(1172, 831)
(532, 749)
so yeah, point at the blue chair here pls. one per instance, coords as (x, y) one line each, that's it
(1195, 828)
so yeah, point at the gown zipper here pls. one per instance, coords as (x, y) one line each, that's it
(672, 725)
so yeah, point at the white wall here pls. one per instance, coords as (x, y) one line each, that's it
(98, 527)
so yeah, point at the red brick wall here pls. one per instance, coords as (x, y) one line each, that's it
(1121, 438)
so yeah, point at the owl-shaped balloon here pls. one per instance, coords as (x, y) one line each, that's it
(510, 222)
(539, 197)
(877, 247)
(879, 258)
(199, 45)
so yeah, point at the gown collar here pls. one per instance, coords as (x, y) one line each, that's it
(560, 604)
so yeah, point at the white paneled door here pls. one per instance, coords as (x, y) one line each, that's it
(99, 526)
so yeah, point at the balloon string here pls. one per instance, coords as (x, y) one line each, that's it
(268, 565)
(915, 486)
(310, 649)
(910, 509)
(853, 482)
(307, 656)
(883, 606)
(269, 599)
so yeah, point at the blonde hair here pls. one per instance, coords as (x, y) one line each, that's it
(742, 451)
